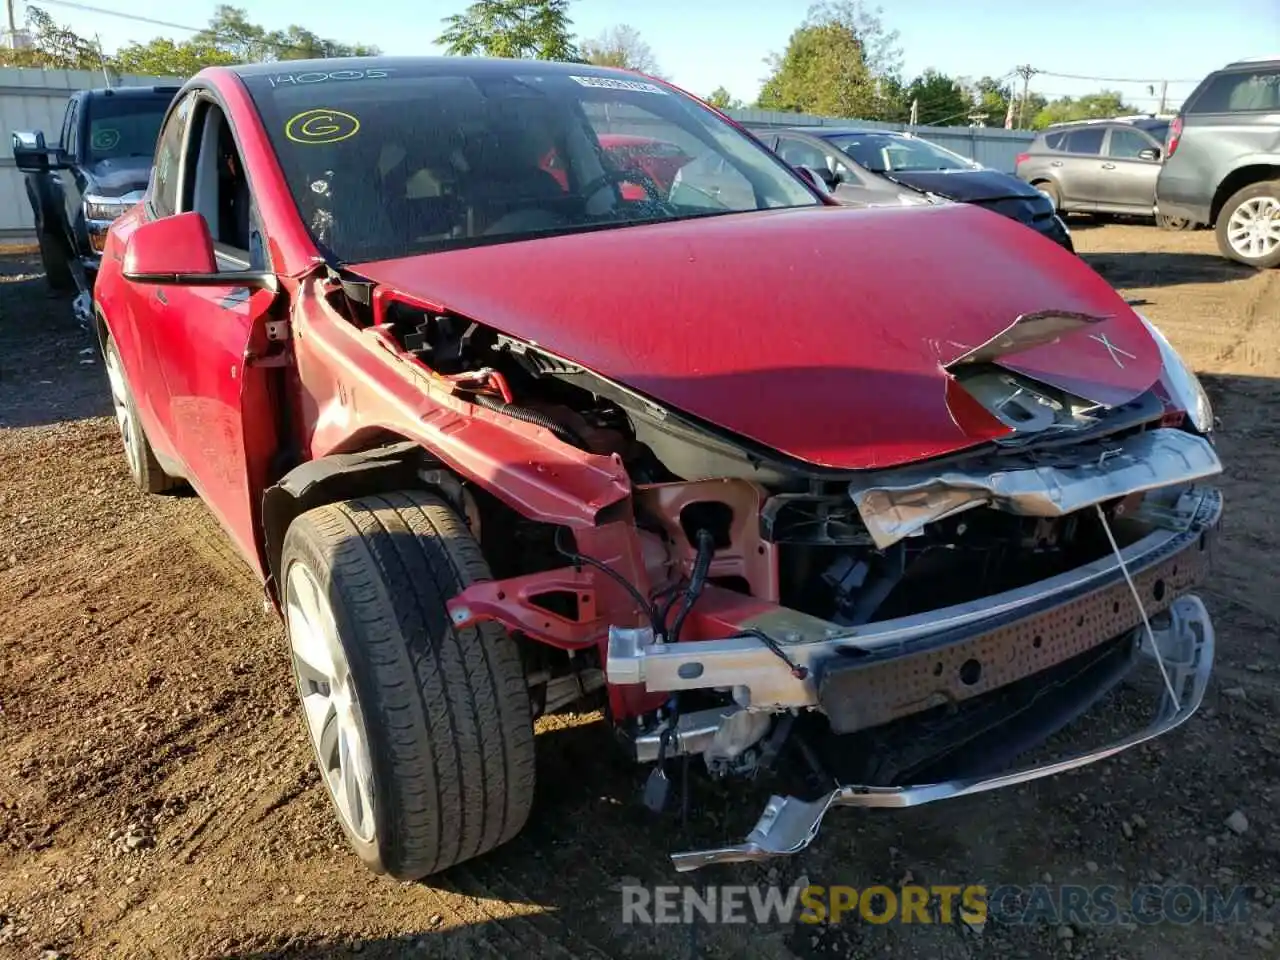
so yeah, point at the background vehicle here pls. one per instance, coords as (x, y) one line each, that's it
(95, 172)
(871, 167)
(1100, 166)
(496, 441)
(848, 182)
(1222, 161)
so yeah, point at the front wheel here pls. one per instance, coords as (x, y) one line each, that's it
(1248, 226)
(422, 732)
(57, 266)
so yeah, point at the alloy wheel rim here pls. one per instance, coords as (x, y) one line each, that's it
(329, 702)
(120, 402)
(1253, 229)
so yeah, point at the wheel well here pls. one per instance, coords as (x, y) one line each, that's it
(1238, 180)
(344, 476)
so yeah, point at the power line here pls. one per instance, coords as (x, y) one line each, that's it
(1076, 76)
(117, 13)
(272, 44)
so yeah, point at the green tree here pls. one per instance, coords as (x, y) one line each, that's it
(528, 29)
(940, 99)
(722, 99)
(1091, 106)
(298, 43)
(53, 46)
(621, 46)
(163, 57)
(229, 38)
(840, 62)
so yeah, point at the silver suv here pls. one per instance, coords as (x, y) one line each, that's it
(1099, 166)
(1222, 165)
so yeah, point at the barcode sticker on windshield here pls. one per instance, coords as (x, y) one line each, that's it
(612, 83)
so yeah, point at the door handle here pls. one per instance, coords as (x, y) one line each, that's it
(1055, 163)
(1108, 166)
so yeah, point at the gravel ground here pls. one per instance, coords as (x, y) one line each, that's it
(157, 797)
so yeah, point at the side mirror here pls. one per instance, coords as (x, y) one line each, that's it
(1149, 153)
(178, 251)
(32, 155)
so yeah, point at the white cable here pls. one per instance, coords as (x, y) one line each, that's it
(1151, 637)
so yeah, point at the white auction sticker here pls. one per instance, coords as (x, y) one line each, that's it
(613, 83)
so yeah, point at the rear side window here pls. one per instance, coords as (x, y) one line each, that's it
(1053, 141)
(1088, 140)
(1240, 92)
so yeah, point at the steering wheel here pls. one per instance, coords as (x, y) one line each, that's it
(630, 175)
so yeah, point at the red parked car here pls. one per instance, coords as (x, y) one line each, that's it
(860, 503)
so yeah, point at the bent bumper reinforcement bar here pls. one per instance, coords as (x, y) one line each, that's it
(789, 824)
(870, 675)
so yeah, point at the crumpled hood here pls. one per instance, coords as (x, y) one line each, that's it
(116, 176)
(822, 333)
(966, 186)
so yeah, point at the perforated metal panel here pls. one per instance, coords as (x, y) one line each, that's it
(857, 696)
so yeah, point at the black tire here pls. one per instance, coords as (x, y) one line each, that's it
(445, 713)
(1050, 190)
(1174, 224)
(1266, 189)
(57, 266)
(145, 470)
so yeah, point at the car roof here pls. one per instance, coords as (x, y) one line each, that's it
(1253, 61)
(1143, 122)
(475, 66)
(825, 131)
(132, 92)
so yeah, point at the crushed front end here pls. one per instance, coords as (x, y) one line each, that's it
(902, 635)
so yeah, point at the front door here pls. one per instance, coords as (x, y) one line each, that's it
(1130, 182)
(220, 406)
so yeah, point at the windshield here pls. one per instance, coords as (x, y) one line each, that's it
(393, 161)
(884, 153)
(124, 126)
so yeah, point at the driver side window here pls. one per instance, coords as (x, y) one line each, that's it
(218, 189)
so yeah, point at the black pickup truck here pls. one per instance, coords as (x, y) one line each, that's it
(97, 170)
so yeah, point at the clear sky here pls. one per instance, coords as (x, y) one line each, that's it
(703, 44)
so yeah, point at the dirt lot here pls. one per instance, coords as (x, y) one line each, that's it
(157, 797)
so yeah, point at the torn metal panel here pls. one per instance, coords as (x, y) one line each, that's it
(1027, 331)
(904, 502)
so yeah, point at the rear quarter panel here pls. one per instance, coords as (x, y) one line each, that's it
(1212, 146)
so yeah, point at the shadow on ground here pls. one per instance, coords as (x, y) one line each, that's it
(1142, 269)
(50, 368)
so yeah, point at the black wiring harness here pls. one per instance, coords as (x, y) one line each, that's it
(697, 583)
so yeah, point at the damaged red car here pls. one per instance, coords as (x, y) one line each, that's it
(864, 504)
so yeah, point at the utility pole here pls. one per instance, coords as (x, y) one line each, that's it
(1025, 71)
(1164, 92)
(915, 112)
